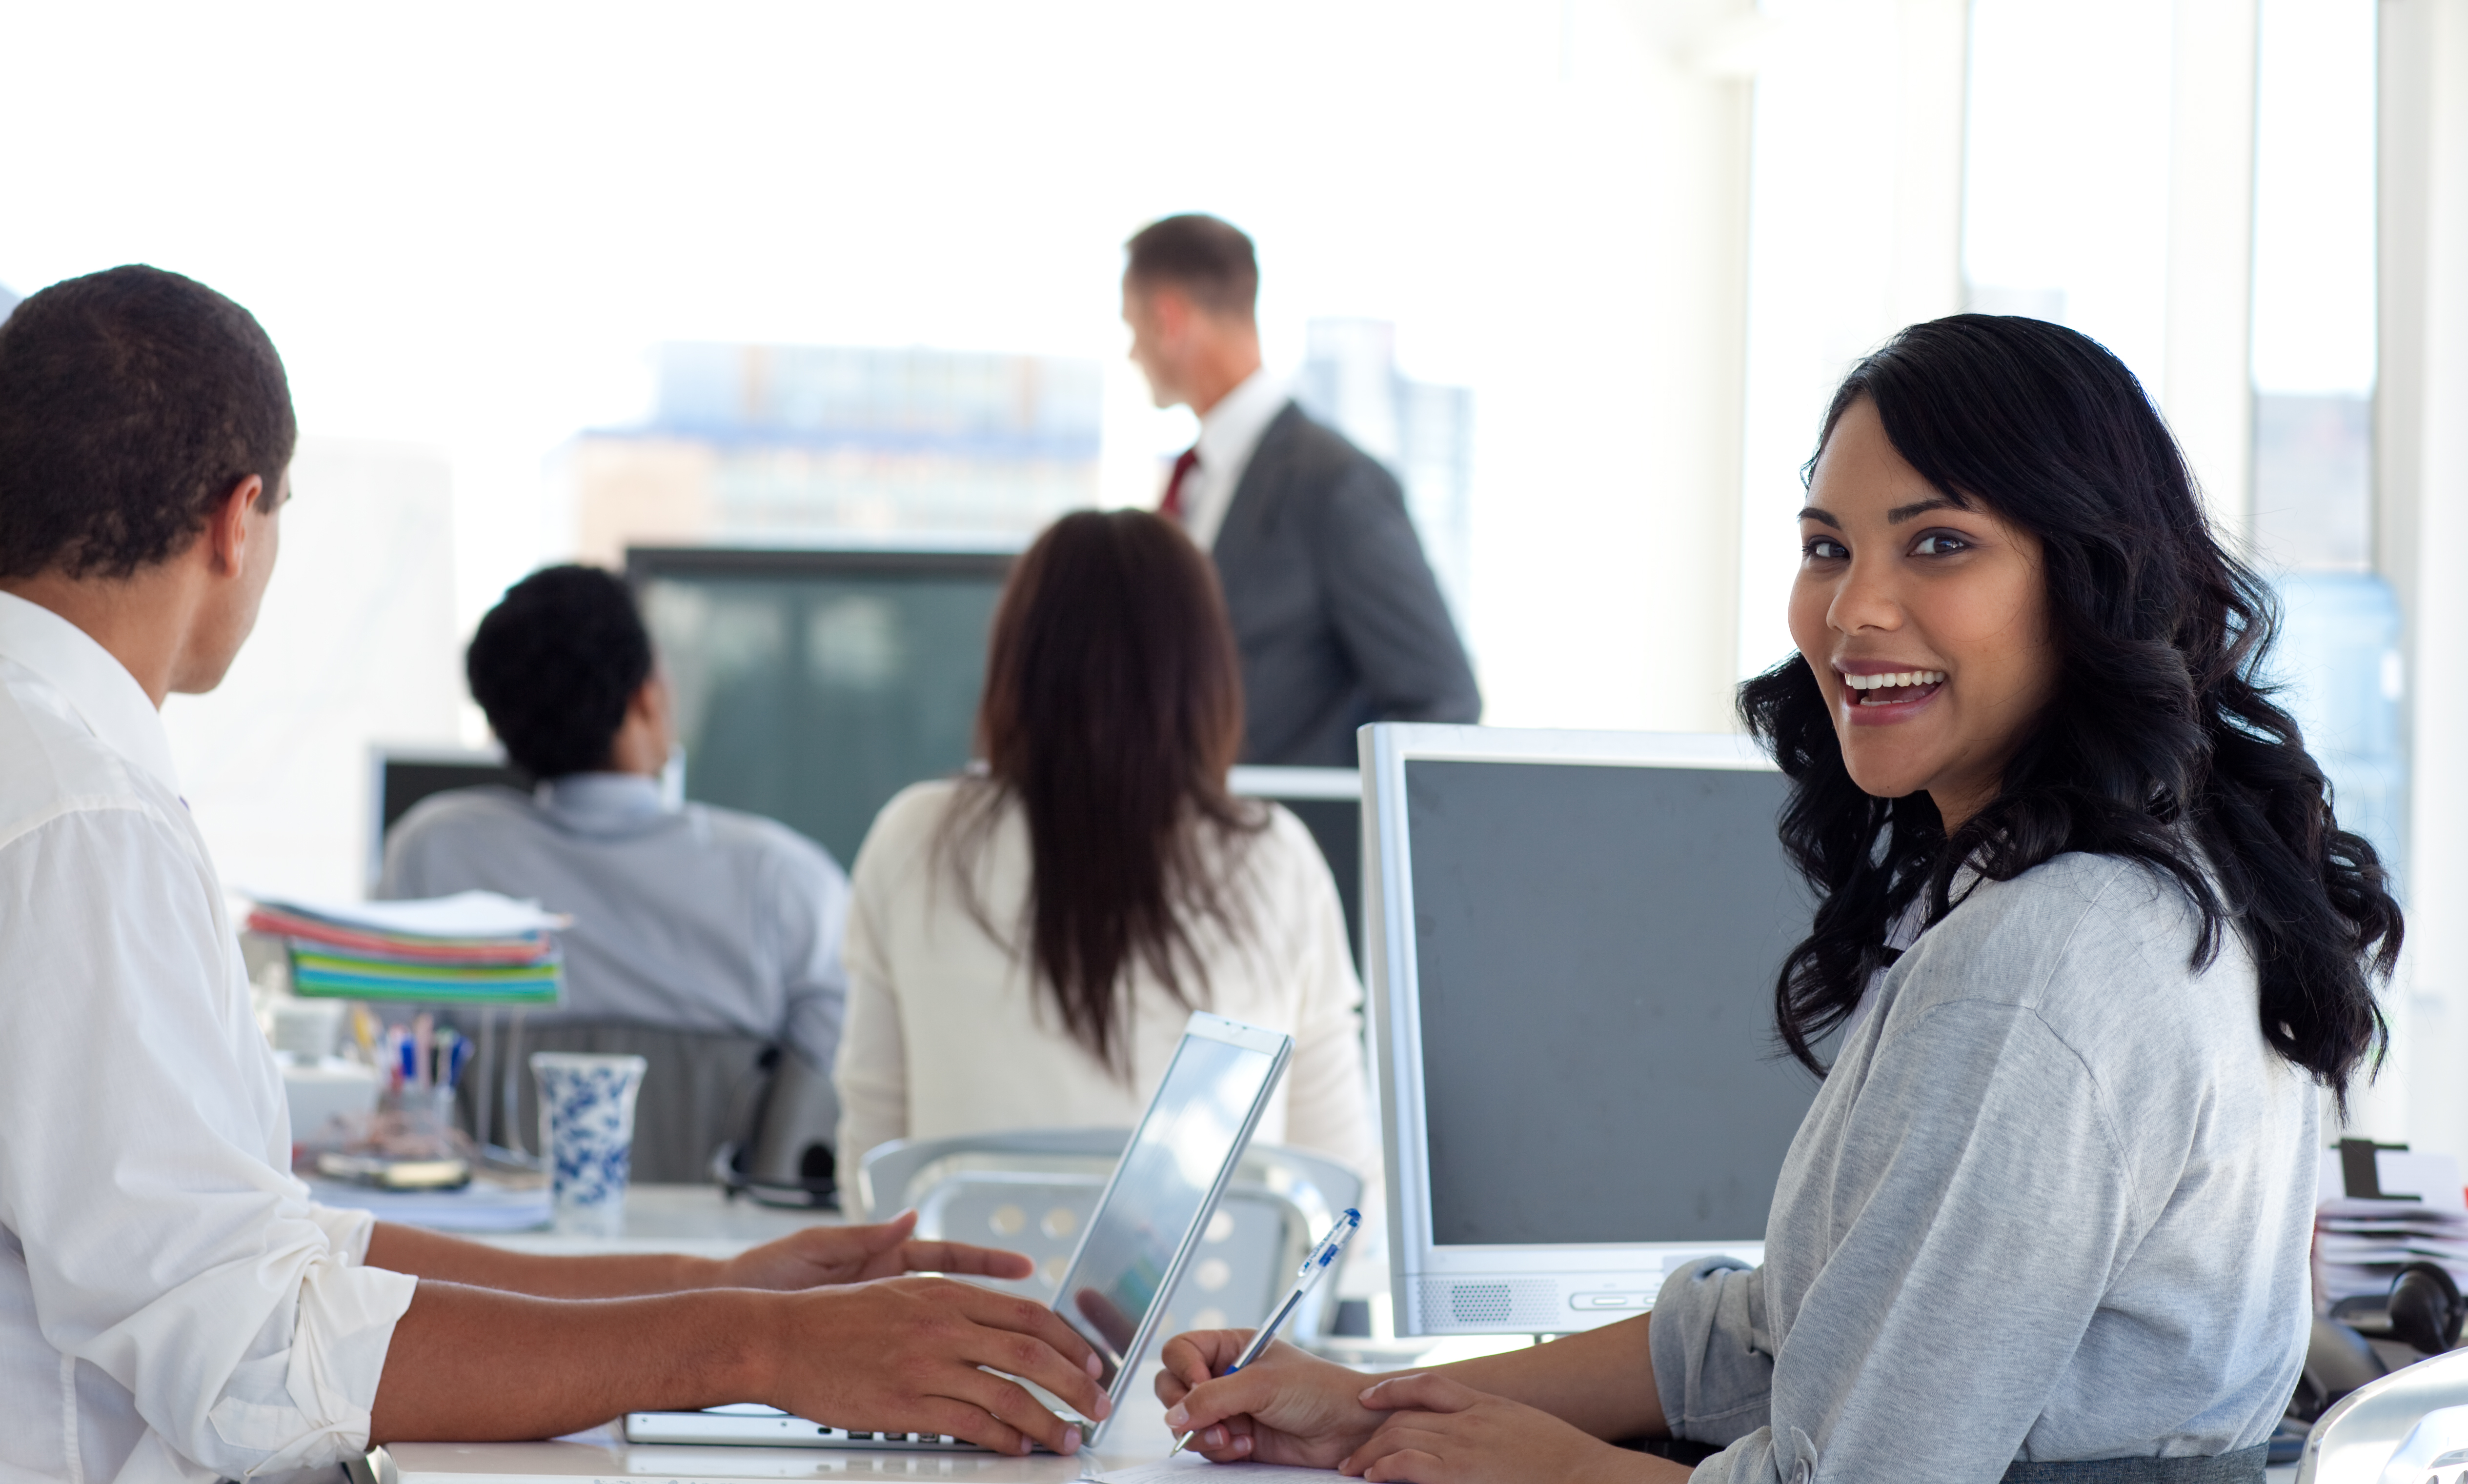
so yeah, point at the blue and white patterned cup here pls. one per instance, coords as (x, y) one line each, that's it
(586, 1116)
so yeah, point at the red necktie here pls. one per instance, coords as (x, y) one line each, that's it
(1170, 507)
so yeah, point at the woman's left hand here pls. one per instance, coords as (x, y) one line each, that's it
(856, 1254)
(1442, 1432)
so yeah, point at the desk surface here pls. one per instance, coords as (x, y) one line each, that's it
(506, 1463)
(1139, 1436)
(697, 1220)
(502, 1463)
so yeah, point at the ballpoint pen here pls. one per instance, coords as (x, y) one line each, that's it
(1314, 1268)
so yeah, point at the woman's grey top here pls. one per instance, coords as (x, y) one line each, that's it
(2053, 1203)
(694, 919)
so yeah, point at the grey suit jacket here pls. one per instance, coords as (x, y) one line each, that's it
(1335, 608)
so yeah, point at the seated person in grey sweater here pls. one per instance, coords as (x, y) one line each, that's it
(688, 917)
(2089, 944)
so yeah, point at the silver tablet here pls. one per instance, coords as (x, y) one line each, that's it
(1158, 1201)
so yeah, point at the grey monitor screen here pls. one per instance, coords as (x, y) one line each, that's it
(1596, 951)
(813, 685)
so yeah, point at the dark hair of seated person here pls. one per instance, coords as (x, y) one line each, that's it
(1112, 711)
(2163, 744)
(131, 401)
(555, 664)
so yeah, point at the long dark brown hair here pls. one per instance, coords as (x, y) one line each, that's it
(2164, 745)
(1112, 710)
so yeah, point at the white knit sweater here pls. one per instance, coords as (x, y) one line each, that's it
(948, 1033)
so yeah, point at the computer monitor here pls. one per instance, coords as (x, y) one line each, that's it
(1328, 802)
(812, 685)
(1575, 939)
(400, 777)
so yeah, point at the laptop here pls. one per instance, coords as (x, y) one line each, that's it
(1137, 1241)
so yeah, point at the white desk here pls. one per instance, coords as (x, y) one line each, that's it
(697, 1220)
(1140, 1437)
(507, 1462)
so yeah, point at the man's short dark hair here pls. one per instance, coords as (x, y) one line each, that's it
(554, 665)
(1209, 260)
(131, 401)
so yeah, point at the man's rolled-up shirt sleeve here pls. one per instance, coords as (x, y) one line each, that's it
(163, 1246)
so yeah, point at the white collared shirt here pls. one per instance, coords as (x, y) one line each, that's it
(173, 1304)
(1228, 434)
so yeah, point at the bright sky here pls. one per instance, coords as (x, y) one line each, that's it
(2083, 207)
(2314, 198)
(463, 224)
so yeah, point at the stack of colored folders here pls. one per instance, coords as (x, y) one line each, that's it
(473, 947)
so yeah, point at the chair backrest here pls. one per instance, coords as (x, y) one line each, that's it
(691, 1102)
(2360, 1438)
(1032, 1191)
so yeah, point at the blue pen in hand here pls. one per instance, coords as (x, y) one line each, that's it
(1314, 1268)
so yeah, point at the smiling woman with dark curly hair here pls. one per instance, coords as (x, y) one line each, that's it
(2091, 941)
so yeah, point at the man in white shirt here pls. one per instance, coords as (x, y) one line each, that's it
(1335, 612)
(173, 1304)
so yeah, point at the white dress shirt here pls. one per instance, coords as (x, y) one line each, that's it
(950, 1031)
(1228, 434)
(173, 1304)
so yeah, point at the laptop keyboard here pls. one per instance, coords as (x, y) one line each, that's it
(762, 1426)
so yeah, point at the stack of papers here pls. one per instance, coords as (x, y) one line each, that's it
(2360, 1243)
(475, 946)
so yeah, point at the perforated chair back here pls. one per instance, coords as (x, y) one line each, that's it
(1032, 1191)
(2401, 1428)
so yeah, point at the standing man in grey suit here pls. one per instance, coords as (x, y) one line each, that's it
(1335, 608)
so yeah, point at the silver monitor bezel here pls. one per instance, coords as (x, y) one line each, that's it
(1201, 1026)
(1620, 1270)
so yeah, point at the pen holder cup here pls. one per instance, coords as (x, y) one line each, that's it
(418, 1123)
(586, 1114)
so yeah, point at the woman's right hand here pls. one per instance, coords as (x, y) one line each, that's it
(1285, 1408)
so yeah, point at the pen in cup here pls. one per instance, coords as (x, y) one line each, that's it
(1314, 1268)
(423, 1039)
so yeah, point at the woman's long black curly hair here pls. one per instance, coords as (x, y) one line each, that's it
(2162, 743)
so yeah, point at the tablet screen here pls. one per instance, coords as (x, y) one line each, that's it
(1192, 1131)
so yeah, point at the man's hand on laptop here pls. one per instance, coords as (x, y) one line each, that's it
(856, 1254)
(919, 1355)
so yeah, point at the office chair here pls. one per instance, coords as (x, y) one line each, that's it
(1033, 1190)
(2408, 1427)
(694, 1098)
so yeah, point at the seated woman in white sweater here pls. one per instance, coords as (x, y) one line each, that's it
(1027, 940)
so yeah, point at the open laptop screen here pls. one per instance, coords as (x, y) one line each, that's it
(1169, 1174)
